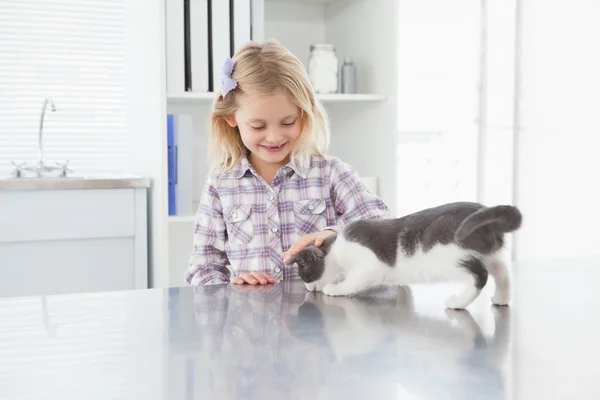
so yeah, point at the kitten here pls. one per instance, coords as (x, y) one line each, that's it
(453, 242)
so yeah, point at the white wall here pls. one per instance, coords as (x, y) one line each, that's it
(298, 24)
(438, 68)
(558, 175)
(463, 78)
(497, 107)
(365, 134)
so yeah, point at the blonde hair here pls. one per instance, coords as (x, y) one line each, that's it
(261, 69)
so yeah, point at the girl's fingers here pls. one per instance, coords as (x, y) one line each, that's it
(321, 238)
(263, 279)
(299, 245)
(253, 278)
(237, 281)
(304, 241)
(248, 278)
(287, 257)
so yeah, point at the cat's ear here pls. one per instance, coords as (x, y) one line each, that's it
(327, 242)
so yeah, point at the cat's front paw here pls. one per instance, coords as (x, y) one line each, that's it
(311, 287)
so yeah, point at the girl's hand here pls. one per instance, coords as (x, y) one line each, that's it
(317, 238)
(252, 278)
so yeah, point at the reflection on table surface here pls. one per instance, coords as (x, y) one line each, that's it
(282, 342)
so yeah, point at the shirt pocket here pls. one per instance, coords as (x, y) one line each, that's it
(309, 216)
(240, 229)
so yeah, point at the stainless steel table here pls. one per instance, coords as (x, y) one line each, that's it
(280, 342)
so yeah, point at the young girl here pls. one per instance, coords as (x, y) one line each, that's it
(271, 191)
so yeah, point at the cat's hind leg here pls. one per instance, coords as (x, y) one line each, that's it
(497, 268)
(474, 275)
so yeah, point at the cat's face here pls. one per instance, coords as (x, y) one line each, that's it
(311, 260)
(311, 263)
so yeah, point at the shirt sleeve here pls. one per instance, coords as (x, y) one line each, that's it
(351, 198)
(208, 262)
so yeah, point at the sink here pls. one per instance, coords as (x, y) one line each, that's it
(44, 178)
(73, 182)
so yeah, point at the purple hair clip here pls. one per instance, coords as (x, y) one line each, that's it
(227, 83)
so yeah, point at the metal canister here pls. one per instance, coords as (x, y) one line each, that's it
(348, 76)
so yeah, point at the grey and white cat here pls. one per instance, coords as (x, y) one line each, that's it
(460, 242)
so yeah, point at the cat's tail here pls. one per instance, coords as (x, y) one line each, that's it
(505, 219)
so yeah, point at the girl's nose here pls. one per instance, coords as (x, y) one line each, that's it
(273, 136)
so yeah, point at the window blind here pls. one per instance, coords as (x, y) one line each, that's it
(74, 52)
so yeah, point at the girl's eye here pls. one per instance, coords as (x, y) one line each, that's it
(290, 124)
(258, 128)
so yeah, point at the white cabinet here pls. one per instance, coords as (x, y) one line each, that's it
(67, 241)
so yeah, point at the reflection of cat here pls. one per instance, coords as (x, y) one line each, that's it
(390, 345)
(350, 325)
(453, 242)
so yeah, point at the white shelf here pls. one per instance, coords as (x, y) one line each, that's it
(178, 219)
(301, 1)
(190, 98)
(343, 98)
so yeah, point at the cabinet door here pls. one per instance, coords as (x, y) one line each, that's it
(66, 266)
(66, 214)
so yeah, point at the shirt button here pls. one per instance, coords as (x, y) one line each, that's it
(277, 269)
(234, 215)
(311, 207)
(271, 197)
(274, 230)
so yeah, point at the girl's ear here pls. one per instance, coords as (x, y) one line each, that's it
(231, 121)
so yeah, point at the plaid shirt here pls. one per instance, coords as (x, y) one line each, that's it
(243, 224)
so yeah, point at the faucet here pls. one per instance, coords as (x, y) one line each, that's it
(40, 146)
(41, 166)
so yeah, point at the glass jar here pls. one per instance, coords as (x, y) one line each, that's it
(323, 68)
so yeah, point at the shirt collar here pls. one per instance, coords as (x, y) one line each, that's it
(298, 168)
(244, 166)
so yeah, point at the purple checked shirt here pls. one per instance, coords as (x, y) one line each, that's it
(243, 224)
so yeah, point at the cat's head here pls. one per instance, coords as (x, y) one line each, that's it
(311, 260)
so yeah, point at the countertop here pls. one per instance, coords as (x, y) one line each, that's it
(74, 183)
(281, 342)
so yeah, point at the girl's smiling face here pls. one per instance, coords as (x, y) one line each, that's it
(269, 127)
